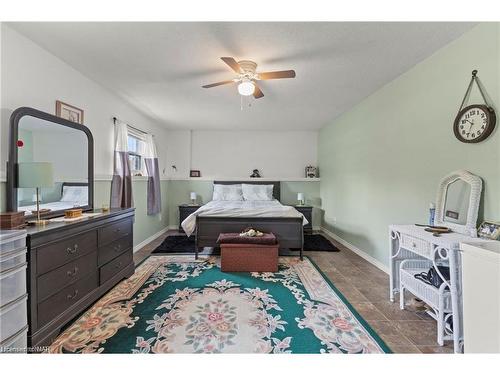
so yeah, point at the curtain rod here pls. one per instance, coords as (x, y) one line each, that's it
(133, 127)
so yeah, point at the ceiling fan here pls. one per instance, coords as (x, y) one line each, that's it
(247, 77)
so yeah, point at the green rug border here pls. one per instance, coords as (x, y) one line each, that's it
(351, 308)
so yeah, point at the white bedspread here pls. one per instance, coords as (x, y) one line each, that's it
(241, 209)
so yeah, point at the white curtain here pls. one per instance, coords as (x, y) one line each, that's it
(121, 185)
(153, 171)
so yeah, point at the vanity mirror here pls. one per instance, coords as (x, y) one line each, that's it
(457, 202)
(63, 147)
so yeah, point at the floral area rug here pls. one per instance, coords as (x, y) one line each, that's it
(174, 304)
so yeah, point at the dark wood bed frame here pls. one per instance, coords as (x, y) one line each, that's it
(288, 230)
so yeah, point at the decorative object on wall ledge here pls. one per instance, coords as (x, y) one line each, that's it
(255, 174)
(194, 173)
(312, 172)
(192, 195)
(489, 230)
(475, 122)
(69, 112)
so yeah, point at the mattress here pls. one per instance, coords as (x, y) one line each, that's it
(251, 209)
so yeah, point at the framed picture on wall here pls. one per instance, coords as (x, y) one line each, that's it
(69, 112)
(489, 230)
(194, 173)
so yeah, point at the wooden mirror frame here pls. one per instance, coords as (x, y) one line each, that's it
(476, 186)
(12, 163)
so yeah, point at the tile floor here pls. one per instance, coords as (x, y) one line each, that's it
(366, 288)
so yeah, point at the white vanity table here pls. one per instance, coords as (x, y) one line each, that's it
(414, 250)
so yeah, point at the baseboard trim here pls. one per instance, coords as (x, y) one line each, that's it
(356, 250)
(150, 239)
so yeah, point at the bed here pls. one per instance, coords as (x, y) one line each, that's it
(215, 218)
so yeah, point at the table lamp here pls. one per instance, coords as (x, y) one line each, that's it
(300, 198)
(193, 198)
(36, 175)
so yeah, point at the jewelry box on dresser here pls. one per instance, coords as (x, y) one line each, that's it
(70, 261)
(416, 249)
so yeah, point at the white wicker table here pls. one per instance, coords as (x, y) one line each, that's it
(414, 249)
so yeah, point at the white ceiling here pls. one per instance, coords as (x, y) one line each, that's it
(160, 67)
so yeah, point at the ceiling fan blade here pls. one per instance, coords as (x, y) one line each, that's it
(257, 92)
(232, 63)
(278, 74)
(217, 84)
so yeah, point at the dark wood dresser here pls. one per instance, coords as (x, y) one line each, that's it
(72, 264)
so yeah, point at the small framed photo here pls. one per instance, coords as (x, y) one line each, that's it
(489, 230)
(69, 112)
(194, 173)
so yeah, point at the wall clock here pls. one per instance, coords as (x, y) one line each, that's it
(475, 122)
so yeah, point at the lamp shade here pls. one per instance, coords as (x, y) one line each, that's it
(35, 175)
(300, 196)
(193, 195)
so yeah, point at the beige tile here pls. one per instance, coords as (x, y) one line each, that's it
(446, 349)
(368, 311)
(421, 333)
(405, 349)
(392, 311)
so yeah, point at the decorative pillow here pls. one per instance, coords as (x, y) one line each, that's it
(75, 194)
(227, 192)
(257, 192)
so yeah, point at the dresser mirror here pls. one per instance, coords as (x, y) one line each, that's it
(51, 155)
(458, 200)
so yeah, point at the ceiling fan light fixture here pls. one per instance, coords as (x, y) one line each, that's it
(246, 88)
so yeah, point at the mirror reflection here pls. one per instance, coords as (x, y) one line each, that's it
(53, 159)
(457, 202)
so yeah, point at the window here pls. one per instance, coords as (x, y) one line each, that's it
(135, 153)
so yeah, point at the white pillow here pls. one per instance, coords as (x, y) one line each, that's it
(257, 192)
(75, 194)
(227, 192)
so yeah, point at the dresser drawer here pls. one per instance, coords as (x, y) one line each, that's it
(61, 252)
(53, 281)
(416, 245)
(112, 250)
(115, 231)
(115, 266)
(59, 302)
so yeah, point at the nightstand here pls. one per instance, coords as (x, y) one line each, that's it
(307, 212)
(184, 211)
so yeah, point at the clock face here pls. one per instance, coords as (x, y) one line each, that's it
(474, 123)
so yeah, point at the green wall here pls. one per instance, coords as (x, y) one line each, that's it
(179, 190)
(381, 162)
(145, 226)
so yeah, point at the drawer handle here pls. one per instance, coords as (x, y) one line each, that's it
(71, 296)
(118, 248)
(118, 265)
(414, 244)
(72, 273)
(72, 250)
(118, 230)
